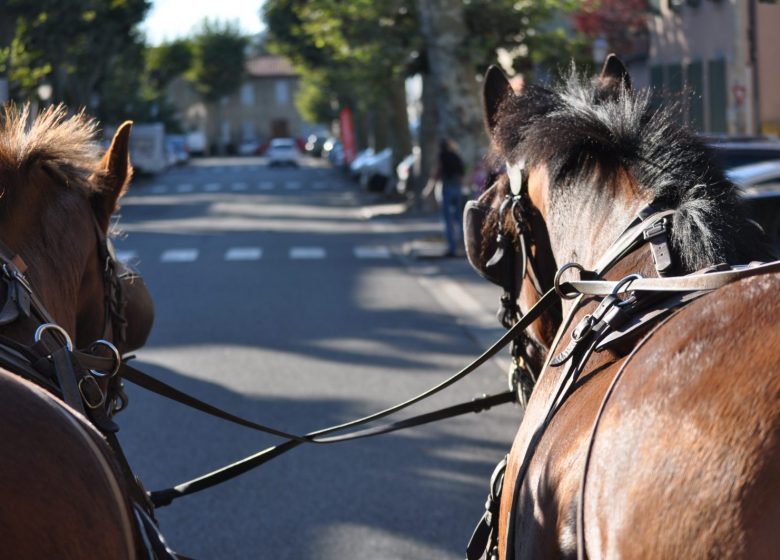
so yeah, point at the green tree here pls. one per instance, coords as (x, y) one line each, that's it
(74, 44)
(167, 61)
(218, 62)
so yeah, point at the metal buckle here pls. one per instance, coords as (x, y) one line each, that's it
(117, 357)
(93, 386)
(39, 332)
(656, 229)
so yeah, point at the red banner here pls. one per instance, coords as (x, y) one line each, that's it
(347, 134)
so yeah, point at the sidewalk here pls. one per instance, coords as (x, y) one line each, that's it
(472, 300)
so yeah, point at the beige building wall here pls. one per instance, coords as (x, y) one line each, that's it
(261, 109)
(705, 46)
(768, 45)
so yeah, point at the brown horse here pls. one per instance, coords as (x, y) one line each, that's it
(666, 442)
(64, 494)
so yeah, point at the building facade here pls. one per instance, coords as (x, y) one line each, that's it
(722, 56)
(261, 109)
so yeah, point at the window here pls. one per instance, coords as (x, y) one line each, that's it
(247, 95)
(282, 92)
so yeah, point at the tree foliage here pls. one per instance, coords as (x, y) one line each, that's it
(217, 66)
(622, 23)
(74, 44)
(167, 61)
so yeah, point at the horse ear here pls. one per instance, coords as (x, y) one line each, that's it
(113, 174)
(614, 73)
(495, 89)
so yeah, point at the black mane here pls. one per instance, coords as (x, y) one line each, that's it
(586, 134)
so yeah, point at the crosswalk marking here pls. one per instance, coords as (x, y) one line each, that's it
(238, 187)
(243, 254)
(179, 255)
(265, 186)
(372, 252)
(185, 188)
(307, 253)
(292, 185)
(159, 189)
(126, 256)
(212, 187)
(248, 253)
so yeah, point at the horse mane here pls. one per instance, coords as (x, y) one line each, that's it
(63, 146)
(587, 133)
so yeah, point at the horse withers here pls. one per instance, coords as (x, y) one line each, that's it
(64, 493)
(657, 436)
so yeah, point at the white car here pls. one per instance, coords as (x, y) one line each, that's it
(760, 184)
(283, 151)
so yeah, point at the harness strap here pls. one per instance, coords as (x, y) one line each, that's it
(693, 282)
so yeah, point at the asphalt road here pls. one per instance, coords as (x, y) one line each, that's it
(290, 297)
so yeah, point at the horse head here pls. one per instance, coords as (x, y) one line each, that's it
(56, 207)
(583, 159)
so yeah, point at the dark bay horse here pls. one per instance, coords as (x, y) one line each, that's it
(666, 443)
(63, 492)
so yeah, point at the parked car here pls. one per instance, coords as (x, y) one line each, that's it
(734, 152)
(283, 151)
(249, 147)
(361, 158)
(176, 145)
(377, 173)
(196, 143)
(760, 183)
(315, 144)
(336, 155)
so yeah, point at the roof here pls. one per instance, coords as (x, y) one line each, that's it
(269, 66)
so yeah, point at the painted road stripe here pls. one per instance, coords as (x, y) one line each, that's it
(186, 187)
(307, 253)
(159, 189)
(179, 255)
(243, 254)
(372, 252)
(265, 186)
(212, 187)
(238, 187)
(126, 256)
(292, 185)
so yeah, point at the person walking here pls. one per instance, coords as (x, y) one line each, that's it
(449, 171)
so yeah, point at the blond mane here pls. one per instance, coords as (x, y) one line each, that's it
(61, 144)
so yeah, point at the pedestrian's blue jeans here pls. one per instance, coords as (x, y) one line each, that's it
(452, 214)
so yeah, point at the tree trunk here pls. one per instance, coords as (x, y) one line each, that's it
(428, 133)
(402, 138)
(458, 104)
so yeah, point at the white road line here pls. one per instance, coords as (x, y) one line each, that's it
(159, 189)
(372, 252)
(238, 187)
(179, 255)
(212, 187)
(265, 186)
(292, 185)
(243, 254)
(185, 188)
(126, 256)
(307, 253)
